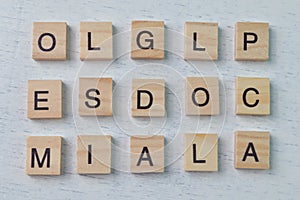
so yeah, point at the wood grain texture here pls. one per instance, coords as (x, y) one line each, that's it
(95, 96)
(281, 181)
(205, 147)
(44, 162)
(100, 41)
(203, 91)
(207, 40)
(252, 96)
(156, 88)
(256, 49)
(100, 154)
(54, 45)
(256, 146)
(44, 99)
(154, 34)
(149, 160)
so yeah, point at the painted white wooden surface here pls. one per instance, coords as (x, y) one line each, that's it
(280, 182)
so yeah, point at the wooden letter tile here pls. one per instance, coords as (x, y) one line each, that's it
(147, 154)
(202, 96)
(201, 152)
(96, 41)
(252, 150)
(252, 41)
(95, 96)
(147, 40)
(148, 98)
(49, 41)
(252, 96)
(43, 155)
(93, 154)
(201, 41)
(44, 99)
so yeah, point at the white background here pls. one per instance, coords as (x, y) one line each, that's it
(280, 182)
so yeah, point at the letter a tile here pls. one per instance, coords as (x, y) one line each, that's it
(252, 150)
(147, 154)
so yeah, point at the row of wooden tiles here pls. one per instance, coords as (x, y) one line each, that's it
(148, 97)
(251, 151)
(147, 40)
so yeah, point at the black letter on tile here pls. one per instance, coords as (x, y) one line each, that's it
(195, 156)
(195, 43)
(89, 154)
(246, 41)
(90, 43)
(139, 92)
(245, 99)
(250, 146)
(36, 100)
(151, 44)
(148, 158)
(34, 154)
(41, 38)
(88, 96)
(194, 97)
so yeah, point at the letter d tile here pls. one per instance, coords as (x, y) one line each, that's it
(148, 98)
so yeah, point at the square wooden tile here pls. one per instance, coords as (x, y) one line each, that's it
(148, 98)
(93, 154)
(96, 41)
(147, 40)
(252, 150)
(201, 152)
(95, 96)
(252, 96)
(202, 96)
(49, 41)
(252, 41)
(43, 155)
(147, 154)
(44, 99)
(201, 41)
